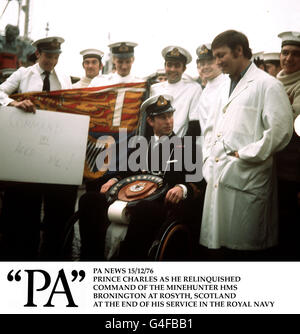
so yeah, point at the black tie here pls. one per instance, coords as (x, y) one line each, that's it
(46, 85)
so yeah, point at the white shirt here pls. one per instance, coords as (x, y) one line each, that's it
(209, 95)
(186, 94)
(182, 186)
(30, 79)
(113, 79)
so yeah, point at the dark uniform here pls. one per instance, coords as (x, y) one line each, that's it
(146, 217)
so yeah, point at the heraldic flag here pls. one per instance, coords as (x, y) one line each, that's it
(110, 108)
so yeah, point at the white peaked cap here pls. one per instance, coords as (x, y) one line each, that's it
(290, 38)
(176, 52)
(271, 56)
(91, 52)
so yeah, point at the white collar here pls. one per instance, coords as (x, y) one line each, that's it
(41, 71)
(119, 76)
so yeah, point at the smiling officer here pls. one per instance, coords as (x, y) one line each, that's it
(123, 58)
(186, 93)
(92, 64)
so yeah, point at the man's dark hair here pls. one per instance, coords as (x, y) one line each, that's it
(232, 39)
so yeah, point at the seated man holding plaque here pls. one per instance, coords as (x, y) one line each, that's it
(124, 220)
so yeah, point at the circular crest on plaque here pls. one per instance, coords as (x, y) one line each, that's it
(135, 188)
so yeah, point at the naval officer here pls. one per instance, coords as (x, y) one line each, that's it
(214, 78)
(186, 93)
(92, 64)
(21, 213)
(93, 206)
(288, 160)
(123, 58)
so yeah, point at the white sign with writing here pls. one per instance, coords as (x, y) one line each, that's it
(46, 147)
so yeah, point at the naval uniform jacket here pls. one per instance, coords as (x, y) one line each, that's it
(186, 94)
(172, 169)
(113, 79)
(82, 83)
(30, 79)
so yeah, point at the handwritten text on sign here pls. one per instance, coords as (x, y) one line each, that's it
(45, 147)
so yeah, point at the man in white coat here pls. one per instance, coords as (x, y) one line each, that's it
(92, 64)
(185, 91)
(123, 58)
(252, 120)
(21, 213)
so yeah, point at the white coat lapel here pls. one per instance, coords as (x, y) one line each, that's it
(243, 84)
(225, 93)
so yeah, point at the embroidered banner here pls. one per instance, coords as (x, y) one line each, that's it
(110, 108)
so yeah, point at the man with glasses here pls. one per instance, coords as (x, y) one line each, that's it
(252, 121)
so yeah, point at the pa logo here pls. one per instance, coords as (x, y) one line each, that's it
(34, 276)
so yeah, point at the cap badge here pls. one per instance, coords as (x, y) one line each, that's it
(175, 53)
(161, 101)
(54, 44)
(123, 48)
(203, 50)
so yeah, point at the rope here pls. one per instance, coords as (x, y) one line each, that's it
(4, 8)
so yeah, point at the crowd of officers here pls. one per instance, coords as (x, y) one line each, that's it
(243, 105)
